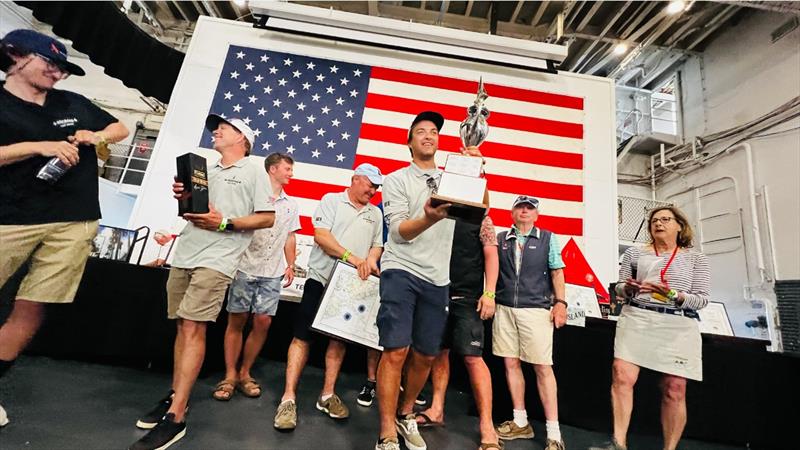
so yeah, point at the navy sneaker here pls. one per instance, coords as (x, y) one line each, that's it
(367, 394)
(152, 418)
(164, 434)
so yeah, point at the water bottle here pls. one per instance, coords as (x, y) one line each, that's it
(52, 171)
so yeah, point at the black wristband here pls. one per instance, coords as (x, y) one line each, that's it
(558, 300)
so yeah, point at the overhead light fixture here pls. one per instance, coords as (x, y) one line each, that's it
(240, 3)
(676, 6)
(620, 48)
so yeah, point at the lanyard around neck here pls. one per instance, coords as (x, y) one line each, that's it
(666, 266)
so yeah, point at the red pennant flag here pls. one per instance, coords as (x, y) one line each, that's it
(579, 272)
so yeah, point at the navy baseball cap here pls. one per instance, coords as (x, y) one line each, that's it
(523, 199)
(29, 41)
(433, 116)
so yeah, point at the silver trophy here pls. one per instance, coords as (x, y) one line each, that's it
(474, 129)
(461, 184)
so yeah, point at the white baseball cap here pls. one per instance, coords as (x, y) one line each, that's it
(213, 121)
(373, 173)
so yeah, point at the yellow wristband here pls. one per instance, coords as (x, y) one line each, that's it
(346, 255)
(489, 294)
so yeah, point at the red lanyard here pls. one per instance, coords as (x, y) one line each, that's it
(666, 266)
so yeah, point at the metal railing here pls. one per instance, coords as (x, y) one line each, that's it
(643, 112)
(124, 166)
(632, 218)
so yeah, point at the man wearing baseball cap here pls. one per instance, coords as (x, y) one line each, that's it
(205, 261)
(349, 228)
(530, 302)
(48, 225)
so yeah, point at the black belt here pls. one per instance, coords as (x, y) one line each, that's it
(666, 310)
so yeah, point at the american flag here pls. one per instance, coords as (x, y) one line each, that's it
(332, 115)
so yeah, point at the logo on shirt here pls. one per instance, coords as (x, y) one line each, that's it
(65, 123)
(368, 219)
(233, 181)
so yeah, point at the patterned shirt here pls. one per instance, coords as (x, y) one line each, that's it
(264, 257)
(689, 273)
(554, 260)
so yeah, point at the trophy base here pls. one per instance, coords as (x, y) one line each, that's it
(463, 210)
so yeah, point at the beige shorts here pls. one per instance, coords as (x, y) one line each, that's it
(196, 294)
(57, 253)
(524, 333)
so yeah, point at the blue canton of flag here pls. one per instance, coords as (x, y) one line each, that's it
(309, 108)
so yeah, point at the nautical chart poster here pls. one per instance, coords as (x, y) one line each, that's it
(349, 307)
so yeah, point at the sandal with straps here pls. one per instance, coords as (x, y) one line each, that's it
(224, 390)
(249, 387)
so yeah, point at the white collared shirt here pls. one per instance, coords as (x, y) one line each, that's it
(264, 256)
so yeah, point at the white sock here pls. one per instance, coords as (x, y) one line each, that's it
(553, 430)
(325, 397)
(521, 417)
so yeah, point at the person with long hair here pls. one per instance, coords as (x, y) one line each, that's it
(664, 284)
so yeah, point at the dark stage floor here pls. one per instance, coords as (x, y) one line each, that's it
(59, 404)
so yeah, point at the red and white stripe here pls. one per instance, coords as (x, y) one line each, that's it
(535, 144)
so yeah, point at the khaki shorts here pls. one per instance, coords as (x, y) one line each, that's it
(57, 252)
(524, 333)
(196, 294)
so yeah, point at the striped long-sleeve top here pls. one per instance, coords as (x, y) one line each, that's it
(689, 273)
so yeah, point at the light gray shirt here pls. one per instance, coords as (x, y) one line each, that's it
(235, 191)
(427, 256)
(357, 230)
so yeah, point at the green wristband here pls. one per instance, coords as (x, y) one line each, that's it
(222, 224)
(489, 294)
(346, 255)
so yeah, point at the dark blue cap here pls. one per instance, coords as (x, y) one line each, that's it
(29, 41)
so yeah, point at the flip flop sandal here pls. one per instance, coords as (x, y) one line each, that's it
(249, 387)
(427, 422)
(490, 445)
(224, 390)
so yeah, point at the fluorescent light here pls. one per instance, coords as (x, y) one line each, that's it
(620, 48)
(676, 6)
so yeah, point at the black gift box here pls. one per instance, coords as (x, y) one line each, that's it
(193, 173)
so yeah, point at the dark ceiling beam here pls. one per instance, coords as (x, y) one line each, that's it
(588, 17)
(639, 18)
(515, 14)
(539, 12)
(602, 35)
(714, 24)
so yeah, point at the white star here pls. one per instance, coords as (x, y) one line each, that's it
(290, 149)
(340, 157)
(344, 81)
(306, 86)
(234, 74)
(258, 78)
(349, 113)
(354, 93)
(261, 111)
(276, 103)
(223, 116)
(320, 77)
(237, 108)
(306, 140)
(282, 82)
(334, 69)
(331, 144)
(315, 153)
(264, 58)
(335, 122)
(244, 86)
(291, 93)
(311, 118)
(301, 106)
(296, 128)
(268, 90)
(252, 98)
(340, 101)
(249, 66)
(286, 115)
(240, 55)
(320, 132)
(287, 62)
(271, 124)
(296, 74)
(228, 95)
(325, 110)
(330, 89)
(246, 120)
(310, 66)
(266, 145)
(273, 70)
(357, 73)
(315, 97)
(257, 132)
(345, 136)
(281, 136)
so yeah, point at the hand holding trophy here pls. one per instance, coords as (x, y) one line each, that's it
(461, 183)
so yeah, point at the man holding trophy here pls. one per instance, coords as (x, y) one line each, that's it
(414, 278)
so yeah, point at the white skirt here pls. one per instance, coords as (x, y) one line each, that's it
(665, 343)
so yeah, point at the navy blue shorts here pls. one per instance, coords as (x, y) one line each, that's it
(413, 312)
(304, 316)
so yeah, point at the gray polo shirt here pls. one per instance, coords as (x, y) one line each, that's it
(235, 191)
(427, 256)
(357, 230)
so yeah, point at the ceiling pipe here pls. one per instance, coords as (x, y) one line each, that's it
(778, 7)
(603, 33)
(589, 15)
(539, 12)
(641, 47)
(715, 24)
